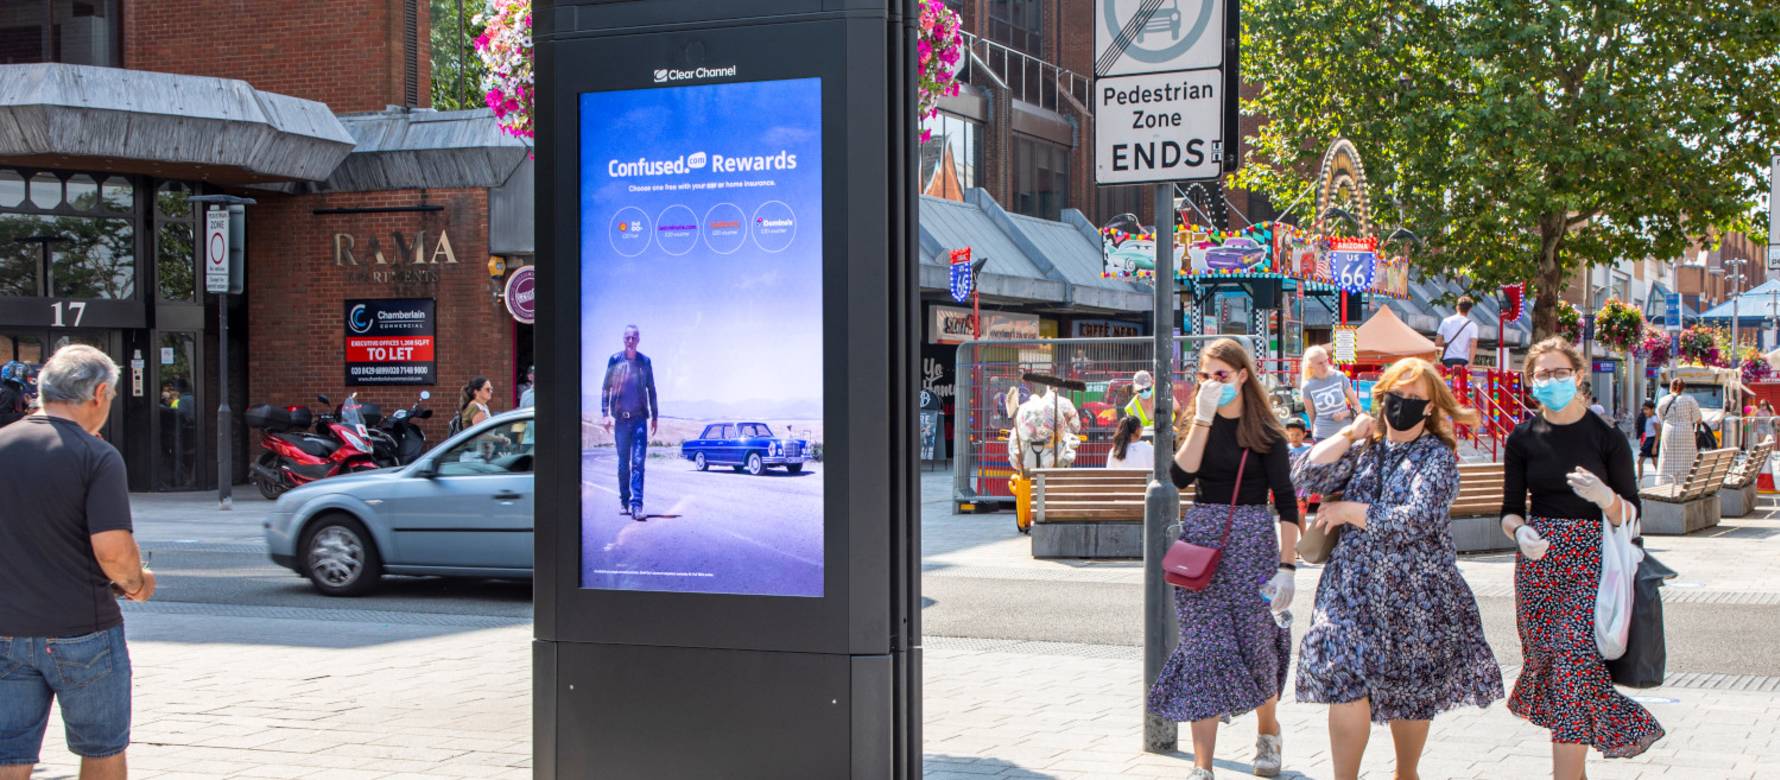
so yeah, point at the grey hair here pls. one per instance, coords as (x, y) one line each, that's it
(74, 373)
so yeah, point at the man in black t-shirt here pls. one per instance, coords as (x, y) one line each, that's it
(66, 554)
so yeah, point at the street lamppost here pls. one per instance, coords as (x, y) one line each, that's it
(1736, 281)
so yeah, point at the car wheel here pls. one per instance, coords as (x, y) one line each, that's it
(340, 558)
(699, 461)
(795, 468)
(756, 466)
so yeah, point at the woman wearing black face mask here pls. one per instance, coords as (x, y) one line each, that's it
(1396, 636)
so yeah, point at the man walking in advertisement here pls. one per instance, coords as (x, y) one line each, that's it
(627, 401)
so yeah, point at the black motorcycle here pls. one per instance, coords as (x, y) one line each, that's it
(397, 439)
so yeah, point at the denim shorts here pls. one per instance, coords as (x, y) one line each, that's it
(89, 676)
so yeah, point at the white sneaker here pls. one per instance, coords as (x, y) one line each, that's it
(1267, 762)
(1201, 774)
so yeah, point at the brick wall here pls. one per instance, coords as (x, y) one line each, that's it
(295, 294)
(346, 53)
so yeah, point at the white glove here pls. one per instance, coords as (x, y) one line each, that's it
(1590, 487)
(1532, 545)
(1206, 403)
(1279, 590)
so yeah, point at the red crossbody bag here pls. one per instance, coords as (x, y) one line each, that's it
(1191, 566)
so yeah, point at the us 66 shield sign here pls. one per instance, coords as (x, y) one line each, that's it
(1159, 127)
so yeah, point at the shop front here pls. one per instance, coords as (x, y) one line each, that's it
(97, 247)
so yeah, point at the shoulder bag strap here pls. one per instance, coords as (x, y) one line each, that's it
(1234, 494)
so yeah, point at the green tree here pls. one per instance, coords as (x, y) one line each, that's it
(1523, 139)
(457, 71)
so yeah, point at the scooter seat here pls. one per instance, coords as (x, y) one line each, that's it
(319, 446)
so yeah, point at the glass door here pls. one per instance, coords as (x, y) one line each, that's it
(178, 434)
(34, 346)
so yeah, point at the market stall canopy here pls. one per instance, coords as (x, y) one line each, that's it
(1384, 338)
(164, 124)
(1751, 308)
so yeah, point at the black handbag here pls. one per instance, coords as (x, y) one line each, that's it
(1646, 654)
(1703, 438)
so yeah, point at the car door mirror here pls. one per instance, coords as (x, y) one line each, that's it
(426, 469)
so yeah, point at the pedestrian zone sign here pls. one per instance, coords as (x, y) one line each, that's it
(216, 251)
(1164, 96)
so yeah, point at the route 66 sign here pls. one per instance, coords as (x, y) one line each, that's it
(961, 281)
(1351, 262)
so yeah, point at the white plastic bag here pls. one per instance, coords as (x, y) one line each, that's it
(1613, 602)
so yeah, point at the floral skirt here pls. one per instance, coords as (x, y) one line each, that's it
(1396, 625)
(1564, 685)
(1232, 657)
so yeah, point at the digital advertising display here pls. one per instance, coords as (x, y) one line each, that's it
(701, 339)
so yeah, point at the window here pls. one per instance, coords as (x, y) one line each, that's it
(756, 430)
(67, 235)
(1018, 24)
(503, 449)
(1041, 178)
(78, 32)
(92, 258)
(712, 432)
(176, 276)
(728, 431)
(956, 142)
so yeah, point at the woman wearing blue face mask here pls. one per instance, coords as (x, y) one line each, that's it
(1143, 402)
(1577, 469)
(1233, 655)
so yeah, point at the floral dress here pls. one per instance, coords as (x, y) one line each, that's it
(1394, 620)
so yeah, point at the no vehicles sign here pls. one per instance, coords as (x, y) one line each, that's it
(1165, 92)
(1159, 127)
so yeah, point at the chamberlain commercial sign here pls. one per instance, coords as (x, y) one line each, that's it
(389, 341)
(1165, 92)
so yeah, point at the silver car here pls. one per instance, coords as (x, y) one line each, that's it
(463, 509)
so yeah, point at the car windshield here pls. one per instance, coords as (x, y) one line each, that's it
(756, 429)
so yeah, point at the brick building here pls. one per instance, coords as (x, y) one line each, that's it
(115, 112)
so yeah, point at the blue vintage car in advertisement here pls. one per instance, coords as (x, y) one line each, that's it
(745, 446)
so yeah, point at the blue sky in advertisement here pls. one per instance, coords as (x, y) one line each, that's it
(731, 316)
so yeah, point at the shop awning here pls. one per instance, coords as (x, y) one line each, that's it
(1384, 338)
(1751, 308)
(400, 149)
(163, 124)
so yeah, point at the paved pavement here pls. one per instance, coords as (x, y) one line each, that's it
(242, 672)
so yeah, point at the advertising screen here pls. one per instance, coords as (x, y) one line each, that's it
(701, 339)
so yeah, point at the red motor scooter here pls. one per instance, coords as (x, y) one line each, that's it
(295, 457)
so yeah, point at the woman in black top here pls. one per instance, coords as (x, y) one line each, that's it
(1232, 656)
(1578, 470)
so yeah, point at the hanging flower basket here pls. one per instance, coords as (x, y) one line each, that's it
(1755, 366)
(1569, 322)
(1699, 345)
(1655, 345)
(939, 53)
(1618, 326)
(505, 47)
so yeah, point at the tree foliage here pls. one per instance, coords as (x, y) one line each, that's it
(457, 71)
(1522, 139)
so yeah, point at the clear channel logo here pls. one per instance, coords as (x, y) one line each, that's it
(667, 75)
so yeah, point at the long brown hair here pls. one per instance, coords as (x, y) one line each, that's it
(1444, 408)
(1259, 427)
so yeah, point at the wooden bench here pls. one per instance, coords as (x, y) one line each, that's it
(1691, 503)
(1090, 513)
(1737, 497)
(1477, 511)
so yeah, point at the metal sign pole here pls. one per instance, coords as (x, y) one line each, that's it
(1161, 505)
(224, 247)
